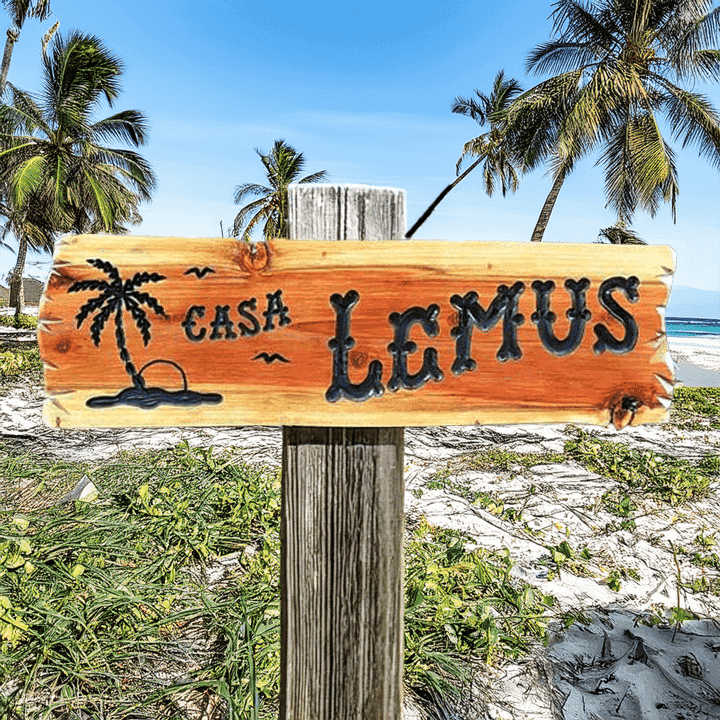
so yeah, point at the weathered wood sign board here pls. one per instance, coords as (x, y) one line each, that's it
(176, 331)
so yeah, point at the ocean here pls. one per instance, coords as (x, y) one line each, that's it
(693, 327)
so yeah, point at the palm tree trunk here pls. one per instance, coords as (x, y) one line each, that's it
(547, 208)
(12, 35)
(439, 198)
(17, 299)
(130, 368)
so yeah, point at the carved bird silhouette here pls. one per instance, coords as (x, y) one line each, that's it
(197, 271)
(270, 358)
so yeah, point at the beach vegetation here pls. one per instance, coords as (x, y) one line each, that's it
(461, 602)
(613, 582)
(283, 165)
(162, 595)
(18, 364)
(659, 477)
(564, 556)
(696, 408)
(28, 322)
(497, 458)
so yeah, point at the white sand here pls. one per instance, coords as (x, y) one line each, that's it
(704, 352)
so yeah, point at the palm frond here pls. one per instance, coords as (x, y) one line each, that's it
(18, 11)
(82, 285)
(477, 147)
(93, 304)
(620, 234)
(98, 323)
(147, 299)
(140, 317)
(561, 57)
(129, 126)
(586, 23)
(101, 203)
(469, 107)
(40, 9)
(107, 267)
(242, 191)
(26, 178)
(264, 212)
(48, 36)
(315, 177)
(242, 225)
(687, 35)
(694, 121)
(107, 163)
(705, 65)
(141, 278)
(23, 114)
(639, 168)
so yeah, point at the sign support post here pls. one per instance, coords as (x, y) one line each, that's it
(342, 520)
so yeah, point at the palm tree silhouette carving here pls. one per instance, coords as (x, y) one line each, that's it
(115, 296)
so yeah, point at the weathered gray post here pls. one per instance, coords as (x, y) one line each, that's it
(342, 520)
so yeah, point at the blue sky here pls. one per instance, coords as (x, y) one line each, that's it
(363, 89)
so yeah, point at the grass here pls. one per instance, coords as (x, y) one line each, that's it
(20, 364)
(461, 605)
(660, 477)
(696, 408)
(28, 322)
(107, 607)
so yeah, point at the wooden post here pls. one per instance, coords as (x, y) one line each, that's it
(342, 520)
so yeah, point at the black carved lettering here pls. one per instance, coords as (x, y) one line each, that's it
(341, 344)
(578, 315)
(605, 340)
(189, 323)
(471, 313)
(243, 311)
(275, 307)
(401, 347)
(222, 321)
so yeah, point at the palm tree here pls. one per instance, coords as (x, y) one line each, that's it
(53, 155)
(115, 296)
(621, 64)
(31, 224)
(491, 148)
(620, 234)
(19, 11)
(283, 165)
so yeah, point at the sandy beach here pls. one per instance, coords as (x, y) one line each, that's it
(697, 359)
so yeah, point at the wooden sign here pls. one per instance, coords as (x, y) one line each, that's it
(138, 331)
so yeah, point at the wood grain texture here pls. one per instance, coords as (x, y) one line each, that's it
(342, 569)
(389, 277)
(342, 523)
